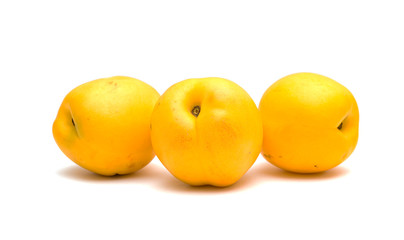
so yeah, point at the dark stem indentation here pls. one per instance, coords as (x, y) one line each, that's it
(196, 110)
(73, 123)
(340, 126)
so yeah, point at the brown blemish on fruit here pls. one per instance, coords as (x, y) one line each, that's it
(315, 165)
(344, 156)
(267, 155)
(131, 165)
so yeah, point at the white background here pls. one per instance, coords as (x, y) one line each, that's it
(48, 47)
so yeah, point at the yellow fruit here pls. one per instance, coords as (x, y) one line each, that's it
(104, 125)
(206, 131)
(310, 123)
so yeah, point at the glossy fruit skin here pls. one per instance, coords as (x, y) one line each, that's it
(214, 145)
(311, 123)
(104, 125)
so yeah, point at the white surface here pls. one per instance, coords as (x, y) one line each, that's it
(47, 48)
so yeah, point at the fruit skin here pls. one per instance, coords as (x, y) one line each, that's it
(302, 115)
(103, 125)
(215, 147)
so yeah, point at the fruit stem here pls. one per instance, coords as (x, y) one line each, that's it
(196, 110)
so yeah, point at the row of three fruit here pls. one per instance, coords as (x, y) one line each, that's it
(207, 131)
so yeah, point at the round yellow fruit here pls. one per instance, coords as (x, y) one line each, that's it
(104, 125)
(206, 131)
(310, 123)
